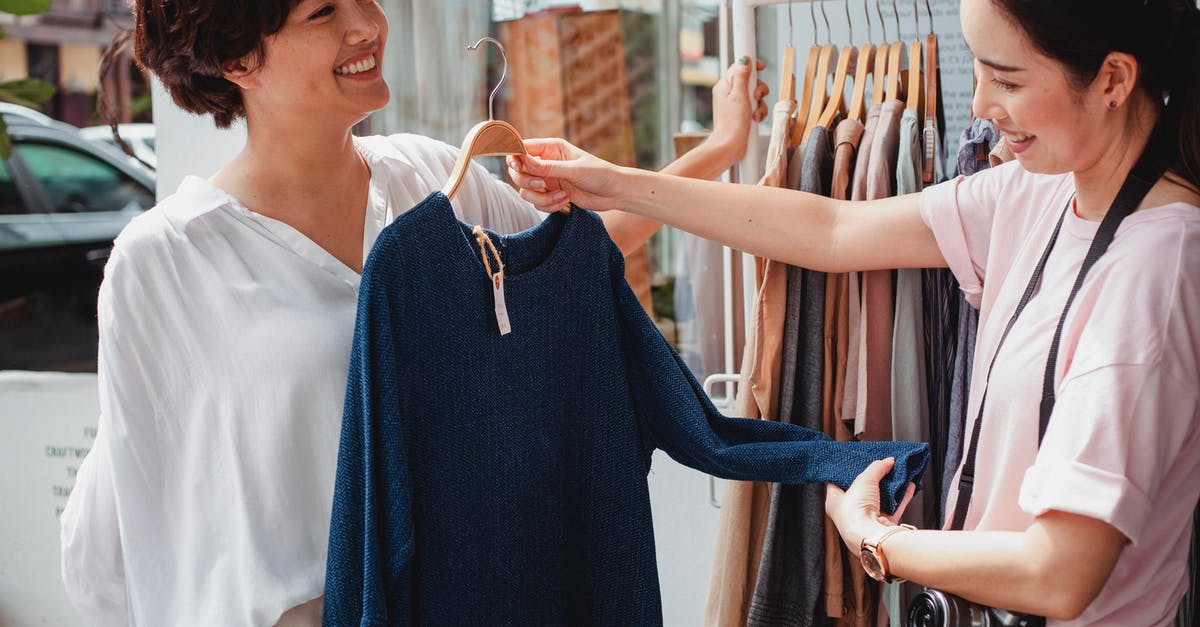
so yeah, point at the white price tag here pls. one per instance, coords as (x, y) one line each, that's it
(501, 309)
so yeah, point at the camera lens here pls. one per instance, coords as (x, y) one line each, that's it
(921, 616)
(927, 610)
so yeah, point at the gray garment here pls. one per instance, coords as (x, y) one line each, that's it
(960, 389)
(791, 573)
(976, 142)
(910, 403)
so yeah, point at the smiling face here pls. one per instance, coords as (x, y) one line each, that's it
(324, 64)
(1051, 124)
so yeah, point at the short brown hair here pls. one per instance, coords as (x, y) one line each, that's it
(185, 43)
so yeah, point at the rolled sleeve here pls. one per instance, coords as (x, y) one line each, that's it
(1115, 439)
(939, 211)
(960, 213)
(1076, 488)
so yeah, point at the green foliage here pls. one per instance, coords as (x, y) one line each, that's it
(29, 92)
(5, 142)
(24, 7)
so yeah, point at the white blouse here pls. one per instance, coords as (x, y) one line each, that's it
(224, 347)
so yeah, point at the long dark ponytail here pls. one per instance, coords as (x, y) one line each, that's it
(1163, 35)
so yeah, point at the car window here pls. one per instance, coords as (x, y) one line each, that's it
(10, 200)
(78, 182)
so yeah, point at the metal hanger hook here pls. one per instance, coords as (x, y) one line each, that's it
(916, 20)
(812, 13)
(896, 14)
(828, 30)
(791, 27)
(849, 23)
(503, 75)
(929, 12)
(882, 22)
(870, 27)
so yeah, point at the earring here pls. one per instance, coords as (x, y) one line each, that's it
(1112, 105)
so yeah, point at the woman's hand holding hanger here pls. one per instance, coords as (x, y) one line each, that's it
(556, 172)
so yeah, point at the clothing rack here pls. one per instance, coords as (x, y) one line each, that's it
(738, 38)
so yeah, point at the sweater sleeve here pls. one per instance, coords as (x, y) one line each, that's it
(681, 420)
(367, 579)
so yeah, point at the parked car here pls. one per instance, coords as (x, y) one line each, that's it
(63, 199)
(140, 138)
(17, 113)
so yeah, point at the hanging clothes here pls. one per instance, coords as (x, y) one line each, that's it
(506, 498)
(789, 585)
(974, 146)
(742, 522)
(848, 597)
(856, 362)
(874, 418)
(1189, 610)
(910, 388)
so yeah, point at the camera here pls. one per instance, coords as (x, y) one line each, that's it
(933, 608)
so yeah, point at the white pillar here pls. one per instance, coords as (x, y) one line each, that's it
(189, 144)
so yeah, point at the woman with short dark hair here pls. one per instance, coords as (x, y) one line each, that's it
(227, 312)
(1090, 524)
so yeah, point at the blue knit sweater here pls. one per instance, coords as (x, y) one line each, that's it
(501, 480)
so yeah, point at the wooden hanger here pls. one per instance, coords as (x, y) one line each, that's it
(787, 82)
(932, 89)
(914, 86)
(486, 139)
(837, 98)
(847, 64)
(894, 59)
(863, 67)
(915, 89)
(801, 112)
(820, 84)
(489, 138)
(879, 74)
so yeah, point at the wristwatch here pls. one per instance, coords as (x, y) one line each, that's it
(873, 559)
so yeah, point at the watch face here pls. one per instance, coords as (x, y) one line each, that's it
(871, 564)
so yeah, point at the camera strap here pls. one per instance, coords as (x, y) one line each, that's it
(1149, 168)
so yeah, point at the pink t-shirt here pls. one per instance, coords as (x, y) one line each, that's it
(1123, 445)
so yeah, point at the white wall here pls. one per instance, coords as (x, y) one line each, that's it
(189, 144)
(47, 425)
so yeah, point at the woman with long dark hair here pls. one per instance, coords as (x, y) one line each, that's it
(1088, 525)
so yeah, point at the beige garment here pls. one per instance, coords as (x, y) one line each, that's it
(850, 597)
(745, 505)
(873, 420)
(1001, 153)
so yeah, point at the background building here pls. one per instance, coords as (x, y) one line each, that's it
(63, 47)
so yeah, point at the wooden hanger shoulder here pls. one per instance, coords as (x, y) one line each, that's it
(489, 138)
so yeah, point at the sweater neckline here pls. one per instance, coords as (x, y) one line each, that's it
(542, 242)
